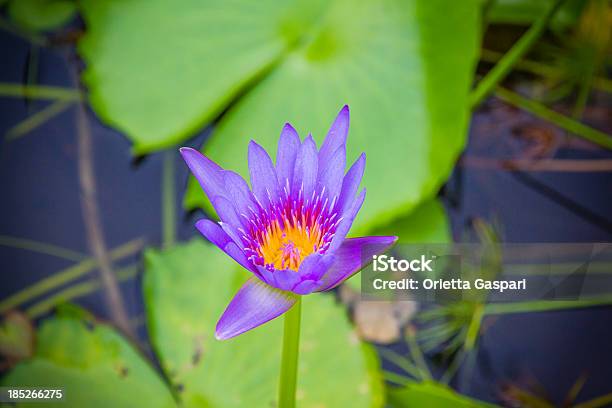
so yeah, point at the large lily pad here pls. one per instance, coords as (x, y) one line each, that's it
(158, 70)
(427, 224)
(94, 365)
(186, 290)
(404, 69)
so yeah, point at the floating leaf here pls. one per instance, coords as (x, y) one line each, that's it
(403, 67)
(431, 395)
(427, 224)
(94, 365)
(405, 70)
(186, 289)
(160, 86)
(41, 15)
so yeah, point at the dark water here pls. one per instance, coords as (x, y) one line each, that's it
(548, 351)
(41, 190)
(40, 201)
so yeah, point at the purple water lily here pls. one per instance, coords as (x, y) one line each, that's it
(290, 230)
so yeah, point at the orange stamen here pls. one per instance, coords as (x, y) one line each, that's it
(287, 247)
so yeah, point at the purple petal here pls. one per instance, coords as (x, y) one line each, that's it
(347, 221)
(240, 195)
(263, 175)
(233, 233)
(350, 184)
(265, 275)
(208, 173)
(336, 136)
(315, 266)
(288, 146)
(226, 211)
(255, 304)
(305, 171)
(352, 256)
(306, 287)
(284, 279)
(215, 234)
(312, 269)
(330, 176)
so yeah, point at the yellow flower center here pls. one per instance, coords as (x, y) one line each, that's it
(287, 247)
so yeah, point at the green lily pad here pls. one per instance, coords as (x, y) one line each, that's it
(404, 69)
(427, 224)
(94, 366)
(186, 290)
(159, 86)
(41, 15)
(432, 395)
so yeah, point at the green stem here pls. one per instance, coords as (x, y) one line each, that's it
(562, 121)
(402, 362)
(396, 378)
(76, 291)
(289, 362)
(474, 328)
(41, 247)
(417, 354)
(505, 65)
(454, 366)
(541, 69)
(599, 402)
(38, 92)
(168, 200)
(32, 70)
(583, 93)
(37, 119)
(524, 65)
(544, 305)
